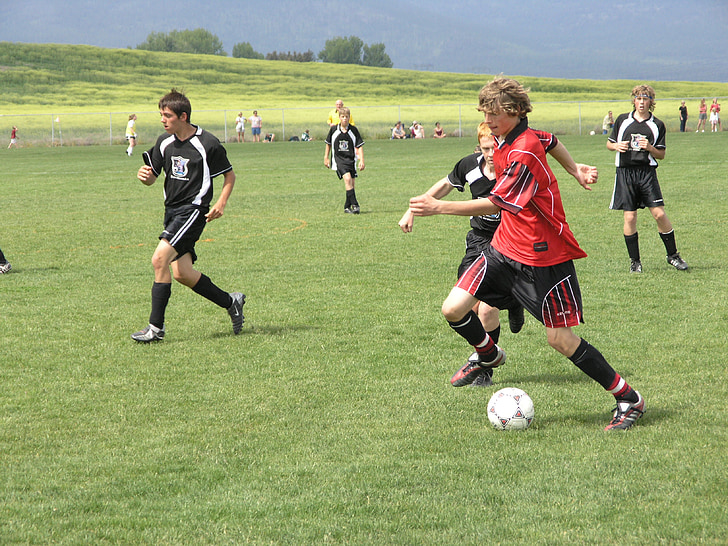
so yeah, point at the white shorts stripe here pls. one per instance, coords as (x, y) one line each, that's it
(181, 232)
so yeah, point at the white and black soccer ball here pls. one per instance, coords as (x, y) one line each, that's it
(510, 409)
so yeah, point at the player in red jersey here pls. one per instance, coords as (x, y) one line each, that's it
(531, 255)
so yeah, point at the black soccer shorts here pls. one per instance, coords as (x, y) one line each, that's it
(636, 188)
(551, 293)
(182, 229)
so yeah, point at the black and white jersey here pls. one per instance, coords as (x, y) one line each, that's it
(189, 167)
(344, 145)
(469, 171)
(626, 127)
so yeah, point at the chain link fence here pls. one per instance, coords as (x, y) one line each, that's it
(375, 122)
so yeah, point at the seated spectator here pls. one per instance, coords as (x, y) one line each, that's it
(306, 136)
(439, 131)
(419, 130)
(269, 137)
(398, 132)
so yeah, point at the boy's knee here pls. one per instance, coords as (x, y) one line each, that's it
(563, 340)
(158, 262)
(452, 313)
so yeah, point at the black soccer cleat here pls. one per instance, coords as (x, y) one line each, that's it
(626, 413)
(236, 311)
(677, 262)
(516, 319)
(474, 367)
(149, 334)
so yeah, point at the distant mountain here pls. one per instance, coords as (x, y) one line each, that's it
(668, 40)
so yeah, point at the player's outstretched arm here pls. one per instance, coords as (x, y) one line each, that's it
(426, 205)
(585, 174)
(407, 221)
(438, 190)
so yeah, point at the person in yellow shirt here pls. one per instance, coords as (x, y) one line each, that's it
(333, 119)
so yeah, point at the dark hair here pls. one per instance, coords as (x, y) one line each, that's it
(177, 102)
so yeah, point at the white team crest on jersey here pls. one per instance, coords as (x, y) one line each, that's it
(179, 167)
(343, 145)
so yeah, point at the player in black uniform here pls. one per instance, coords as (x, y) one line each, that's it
(346, 142)
(639, 140)
(5, 266)
(191, 159)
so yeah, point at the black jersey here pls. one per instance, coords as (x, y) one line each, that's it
(469, 170)
(626, 127)
(344, 144)
(189, 167)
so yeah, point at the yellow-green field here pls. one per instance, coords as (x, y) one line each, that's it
(43, 81)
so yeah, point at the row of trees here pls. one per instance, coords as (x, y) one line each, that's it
(351, 50)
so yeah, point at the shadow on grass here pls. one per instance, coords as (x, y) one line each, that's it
(250, 330)
(652, 417)
(548, 378)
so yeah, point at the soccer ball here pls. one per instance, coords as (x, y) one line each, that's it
(592, 133)
(510, 409)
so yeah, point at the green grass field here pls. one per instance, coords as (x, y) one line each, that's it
(330, 418)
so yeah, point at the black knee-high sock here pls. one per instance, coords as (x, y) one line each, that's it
(590, 361)
(633, 246)
(207, 289)
(161, 292)
(2, 257)
(351, 198)
(495, 334)
(668, 239)
(472, 330)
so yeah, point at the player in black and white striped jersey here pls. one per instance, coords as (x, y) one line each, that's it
(346, 143)
(190, 158)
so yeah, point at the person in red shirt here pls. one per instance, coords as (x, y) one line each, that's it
(531, 257)
(13, 137)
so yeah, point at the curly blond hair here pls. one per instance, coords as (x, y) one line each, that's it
(504, 95)
(643, 90)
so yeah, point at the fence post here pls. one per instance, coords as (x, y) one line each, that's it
(580, 133)
(460, 120)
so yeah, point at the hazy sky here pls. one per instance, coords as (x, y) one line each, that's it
(666, 40)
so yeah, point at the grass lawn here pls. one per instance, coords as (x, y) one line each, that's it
(330, 418)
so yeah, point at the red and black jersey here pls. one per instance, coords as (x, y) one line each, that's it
(534, 230)
(189, 167)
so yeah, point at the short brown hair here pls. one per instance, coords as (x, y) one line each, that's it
(504, 95)
(177, 102)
